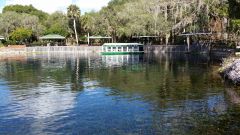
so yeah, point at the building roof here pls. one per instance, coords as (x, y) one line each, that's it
(1, 38)
(192, 34)
(145, 36)
(52, 36)
(99, 37)
(120, 44)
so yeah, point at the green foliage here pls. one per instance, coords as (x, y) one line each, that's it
(219, 8)
(234, 9)
(57, 23)
(26, 9)
(56, 29)
(21, 34)
(235, 25)
(10, 21)
(122, 19)
(125, 18)
(73, 12)
(39, 43)
(10, 42)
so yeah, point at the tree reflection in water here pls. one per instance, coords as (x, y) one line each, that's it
(183, 93)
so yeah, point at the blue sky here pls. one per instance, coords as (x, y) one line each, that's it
(53, 5)
(2, 3)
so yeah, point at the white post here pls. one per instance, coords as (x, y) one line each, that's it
(88, 39)
(188, 43)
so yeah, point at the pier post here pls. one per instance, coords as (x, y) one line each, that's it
(88, 39)
(188, 43)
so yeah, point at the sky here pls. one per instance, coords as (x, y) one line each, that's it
(55, 5)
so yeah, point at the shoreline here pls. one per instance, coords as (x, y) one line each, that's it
(84, 49)
(230, 70)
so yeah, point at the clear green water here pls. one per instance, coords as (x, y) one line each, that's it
(138, 94)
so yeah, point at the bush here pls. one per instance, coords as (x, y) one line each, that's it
(37, 43)
(10, 42)
(21, 34)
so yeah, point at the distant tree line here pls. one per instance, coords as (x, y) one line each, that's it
(124, 19)
(24, 24)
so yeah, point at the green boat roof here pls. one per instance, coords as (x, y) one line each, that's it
(122, 44)
(52, 36)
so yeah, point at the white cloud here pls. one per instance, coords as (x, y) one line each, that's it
(53, 5)
(88, 5)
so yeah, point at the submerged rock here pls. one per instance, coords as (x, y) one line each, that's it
(231, 70)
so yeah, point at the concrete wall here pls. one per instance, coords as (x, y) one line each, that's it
(65, 49)
(175, 48)
(97, 49)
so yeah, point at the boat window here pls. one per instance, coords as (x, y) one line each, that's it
(119, 49)
(109, 49)
(124, 48)
(135, 48)
(114, 49)
(130, 49)
(141, 48)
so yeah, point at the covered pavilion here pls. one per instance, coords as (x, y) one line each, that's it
(54, 38)
(106, 38)
(188, 35)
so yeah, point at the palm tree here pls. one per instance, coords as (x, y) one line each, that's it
(73, 13)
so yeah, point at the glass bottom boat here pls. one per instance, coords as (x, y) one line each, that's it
(122, 48)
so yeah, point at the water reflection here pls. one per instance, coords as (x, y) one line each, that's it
(120, 94)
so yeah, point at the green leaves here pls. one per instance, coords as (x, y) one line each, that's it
(57, 23)
(73, 12)
(235, 25)
(27, 10)
(21, 34)
(10, 21)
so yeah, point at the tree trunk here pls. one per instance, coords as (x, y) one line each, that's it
(167, 38)
(75, 30)
(166, 13)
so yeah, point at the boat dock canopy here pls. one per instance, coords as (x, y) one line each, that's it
(99, 37)
(145, 36)
(52, 36)
(122, 44)
(2, 38)
(193, 34)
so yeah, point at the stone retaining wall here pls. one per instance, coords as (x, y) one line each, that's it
(176, 48)
(65, 49)
(97, 49)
